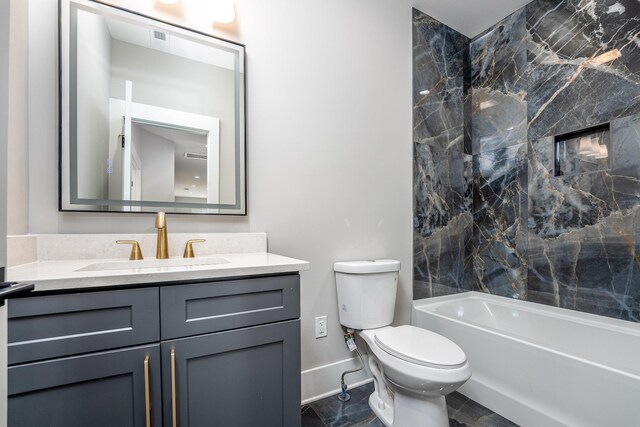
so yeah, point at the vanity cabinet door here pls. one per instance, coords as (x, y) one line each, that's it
(104, 389)
(243, 378)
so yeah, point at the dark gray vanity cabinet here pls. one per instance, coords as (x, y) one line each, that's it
(223, 352)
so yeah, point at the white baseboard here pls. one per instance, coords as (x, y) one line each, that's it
(323, 381)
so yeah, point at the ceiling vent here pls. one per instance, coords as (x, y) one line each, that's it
(198, 156)
(159, 40)
(159, 35)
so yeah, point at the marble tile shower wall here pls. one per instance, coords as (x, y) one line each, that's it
(442, 167)
(499, 142)
(584, 231)
(490, 215)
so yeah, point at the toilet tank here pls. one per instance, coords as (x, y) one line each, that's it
(366, 292)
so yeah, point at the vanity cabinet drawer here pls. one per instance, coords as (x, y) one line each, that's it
(45, 327)
(217, 306)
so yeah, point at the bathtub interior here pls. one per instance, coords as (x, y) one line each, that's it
(611, 343)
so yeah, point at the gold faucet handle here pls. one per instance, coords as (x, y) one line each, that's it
(188, 249)
(136, 253)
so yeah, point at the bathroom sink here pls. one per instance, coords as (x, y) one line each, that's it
(153, 264)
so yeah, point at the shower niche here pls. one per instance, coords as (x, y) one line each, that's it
(583, 151)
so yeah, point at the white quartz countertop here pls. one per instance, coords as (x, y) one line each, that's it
(89, 273)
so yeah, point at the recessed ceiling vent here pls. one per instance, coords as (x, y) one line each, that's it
(159, 35)
(159, 40)
(198, 156)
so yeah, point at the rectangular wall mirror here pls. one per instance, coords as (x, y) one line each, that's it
(152, 116)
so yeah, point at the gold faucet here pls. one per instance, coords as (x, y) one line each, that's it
(162, 247)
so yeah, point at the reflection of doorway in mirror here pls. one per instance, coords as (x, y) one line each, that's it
(136, 183)
(175, 163)
(177, 153)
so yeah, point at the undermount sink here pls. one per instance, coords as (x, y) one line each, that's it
(153, 264)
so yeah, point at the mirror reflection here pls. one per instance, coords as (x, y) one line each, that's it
(170, 164)
(153, 116)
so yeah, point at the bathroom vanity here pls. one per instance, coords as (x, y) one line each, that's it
(223, 350)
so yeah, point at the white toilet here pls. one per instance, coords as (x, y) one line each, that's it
(413, 368)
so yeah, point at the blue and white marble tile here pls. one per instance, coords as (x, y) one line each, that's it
(499, 87)
(584, 231)
(571, 86)
(438, 84)
(489, 214)
(442, 170)
(500, 230)
(499, 135)
(593, 269)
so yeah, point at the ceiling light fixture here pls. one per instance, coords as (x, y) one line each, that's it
(168, 1)
(222, 11)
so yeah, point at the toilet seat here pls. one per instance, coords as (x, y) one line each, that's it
(421, 347)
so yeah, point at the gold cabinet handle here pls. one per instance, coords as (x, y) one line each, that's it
(188, 249)
(136, 253)
(174, 414)
(147, 394)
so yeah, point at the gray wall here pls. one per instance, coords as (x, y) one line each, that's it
(4, 135)
(18, 155)
(4, 114)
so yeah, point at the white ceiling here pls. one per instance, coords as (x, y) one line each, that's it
(469, 17)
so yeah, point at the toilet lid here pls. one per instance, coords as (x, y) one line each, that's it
(420, 346)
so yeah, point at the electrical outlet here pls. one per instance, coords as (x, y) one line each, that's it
(321, 326)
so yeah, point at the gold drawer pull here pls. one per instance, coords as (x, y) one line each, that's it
(174, 414)
(147, 394)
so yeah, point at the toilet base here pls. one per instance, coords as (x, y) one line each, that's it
(382, 410)
(409, 411)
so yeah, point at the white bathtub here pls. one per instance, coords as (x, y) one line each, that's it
(539, 365)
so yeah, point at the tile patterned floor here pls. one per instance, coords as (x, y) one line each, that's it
(330, 412)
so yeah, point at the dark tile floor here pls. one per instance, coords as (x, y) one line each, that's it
(330, 412)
